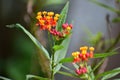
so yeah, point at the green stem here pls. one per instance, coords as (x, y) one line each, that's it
(52, 73)
(52, 56)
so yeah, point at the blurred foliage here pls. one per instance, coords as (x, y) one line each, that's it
(102, 44)
(19, 63)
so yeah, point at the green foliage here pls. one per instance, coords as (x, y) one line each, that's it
(4, 78)
(67, 74)
(101, 55)
(60, 54)
(57, 47)
(99, 64)
(108, 74)
(29, 77)
(35, 41)
(68, 69)
(23, 51)
(71, 72)
(105, 6)
(63, 47)
(63, 16)
(90, 73)
(67, 60)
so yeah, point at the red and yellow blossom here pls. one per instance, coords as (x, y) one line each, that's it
(66, 28)
(81, 57)
(47, 20)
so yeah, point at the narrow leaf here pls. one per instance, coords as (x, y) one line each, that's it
(106, 6)
(90, 73)
(35, 41)
(67, 60)
(63, 16)
(66, 74)
(102, 60)
(101, 55)
(66, 68)
(4, 78)
(111, 73)
(35, 77)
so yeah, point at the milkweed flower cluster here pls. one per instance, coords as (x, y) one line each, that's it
(48, 21)
(82, 57)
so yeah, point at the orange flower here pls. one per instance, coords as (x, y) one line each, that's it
(47, 20)
(83, 55)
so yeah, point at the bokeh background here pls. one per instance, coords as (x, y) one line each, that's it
(18, 53)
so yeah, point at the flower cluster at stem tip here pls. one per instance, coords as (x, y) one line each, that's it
(48, 21)
(82, 57)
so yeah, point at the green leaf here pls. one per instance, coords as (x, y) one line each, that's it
(63, 16)
(105, 6)
(111, 74)
(67, 74)
(60, 54)
(35, 41)
(4, 78)
(57, 47)
(116, 19)
(108, 74)
(90, 73)
(99, 64)
(67, 60)
(66, 68)
(35, 77)
(101, 55)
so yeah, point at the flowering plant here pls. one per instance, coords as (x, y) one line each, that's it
(59, 33)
